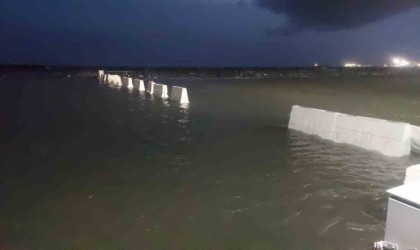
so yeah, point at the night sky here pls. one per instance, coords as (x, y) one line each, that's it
(208, 32)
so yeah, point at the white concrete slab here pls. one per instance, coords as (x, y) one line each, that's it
(313, 121)
(160, 91)
(387, 137)
(138, 84)
(412, 174)
(179, 94)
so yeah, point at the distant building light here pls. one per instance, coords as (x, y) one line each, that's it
(352, 65)
(316, 65)
(400, 62)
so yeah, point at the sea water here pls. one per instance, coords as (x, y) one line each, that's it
(89, 166)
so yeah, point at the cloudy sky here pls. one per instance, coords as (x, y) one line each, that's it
(208, 32)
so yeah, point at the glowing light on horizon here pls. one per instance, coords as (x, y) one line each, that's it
(352, 65)
(400, 62)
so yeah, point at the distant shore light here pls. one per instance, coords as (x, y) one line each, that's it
(400, 62)
(352, 65)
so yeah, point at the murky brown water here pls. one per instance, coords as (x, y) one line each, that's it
(86, 166)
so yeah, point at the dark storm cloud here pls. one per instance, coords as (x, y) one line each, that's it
(330, 15)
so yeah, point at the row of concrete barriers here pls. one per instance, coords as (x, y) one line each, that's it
(178, 94)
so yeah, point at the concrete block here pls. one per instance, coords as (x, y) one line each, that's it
(402, 225)
(115, 79)
(179, 94)
(110, 79)
(313, 121)
(138, 84)
(100, 74)
(160, 91)
(127, 82)
(403, 216)
(150, 87)
(130, 83)
(387, 137)
(412, 174)
(415, 139)
(118, 80)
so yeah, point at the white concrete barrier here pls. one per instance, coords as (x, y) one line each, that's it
(179, 94)
(118, 80)
(415, 139)
(105, 78)
(127, 82)
(130, 83)
(412, 174)
(386, 137)
(115, 79)
(111, 79)
(150, 87)
(160, 90)
(108, 78)
(403, 216)
(100, 74)
(138, 84)
(313, 121)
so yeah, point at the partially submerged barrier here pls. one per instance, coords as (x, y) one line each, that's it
(160, 91)
(138, 84)
(101, 74)
(127, 82)
(387, 137)
(179, 94)
(115, 79)
(313, 121)
(150, 85)
(130, 83)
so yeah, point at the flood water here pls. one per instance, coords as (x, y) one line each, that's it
(89, 166)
